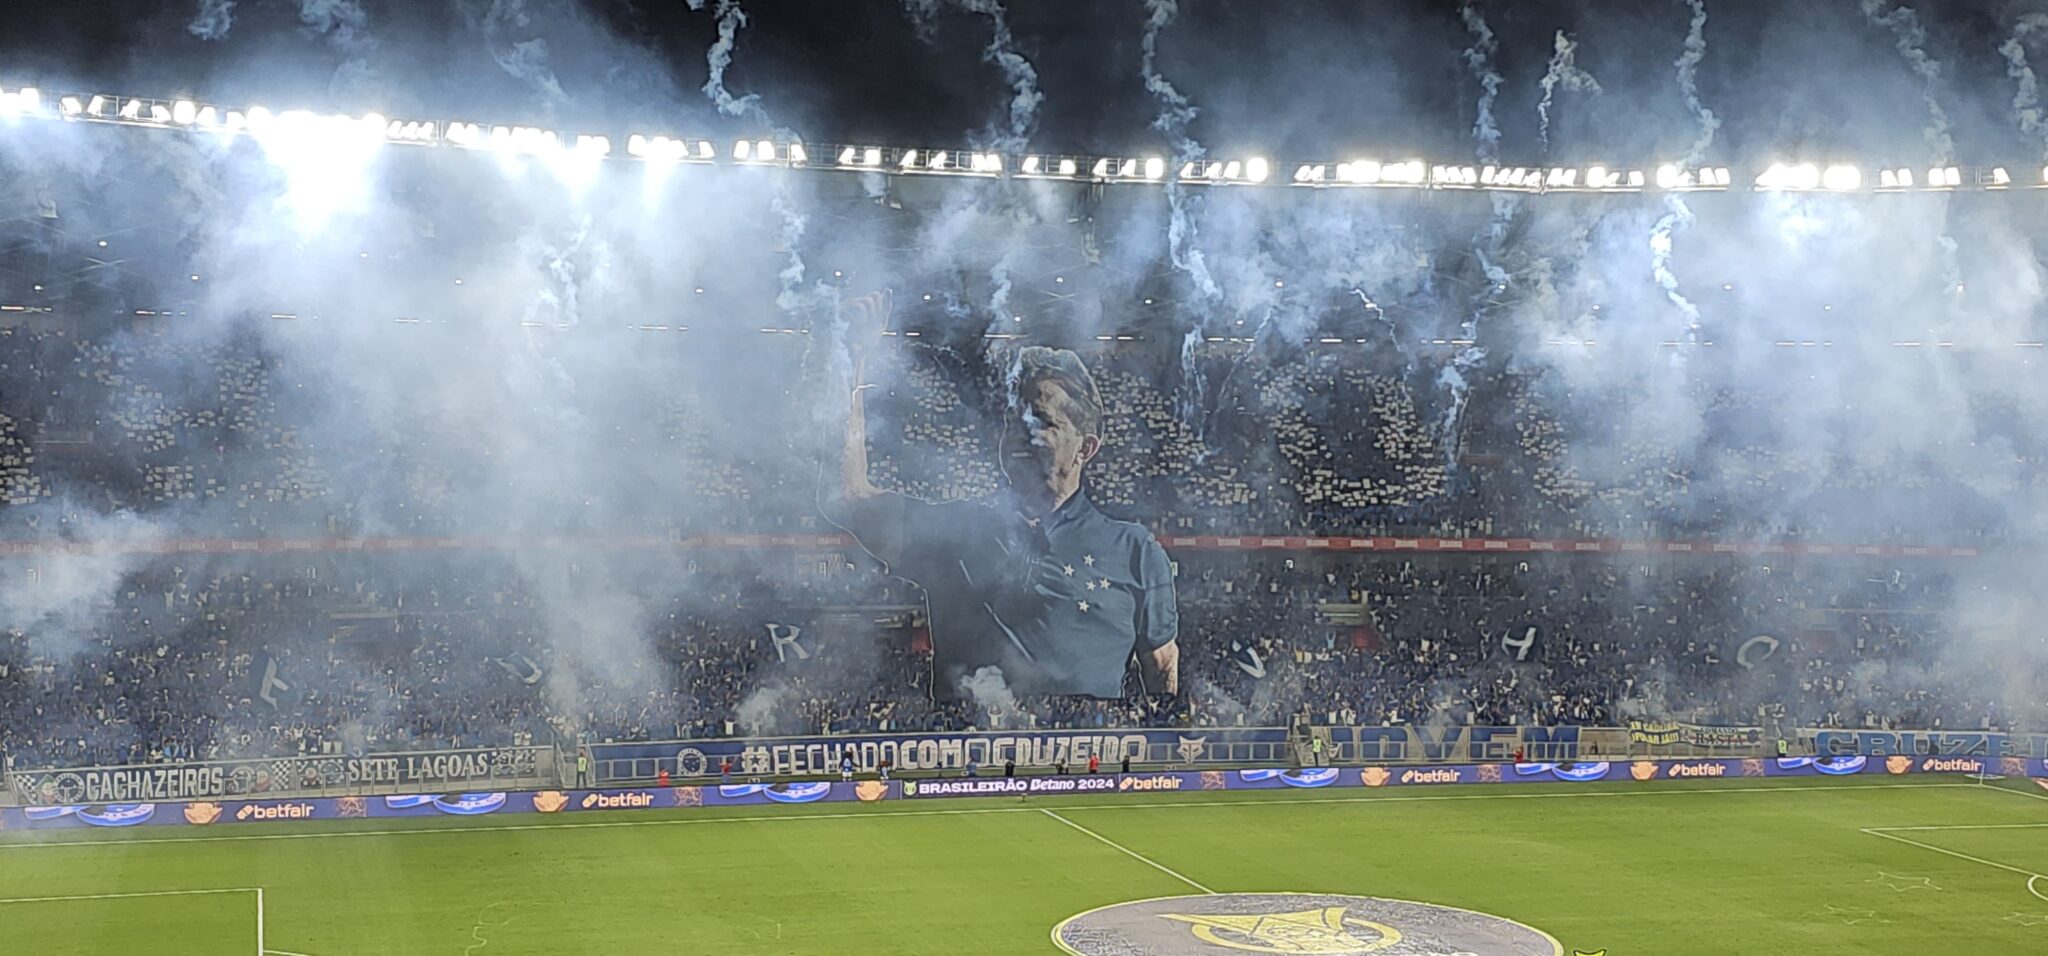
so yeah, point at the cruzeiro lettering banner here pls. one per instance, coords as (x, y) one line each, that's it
(191, 781)
(797, 756)
(1885, 743)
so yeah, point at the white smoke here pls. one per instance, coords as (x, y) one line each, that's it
(1911, 40)
(525, 60)
(1479, 57)
(765, 712)
(213, 20)
(61, 596)
(1175, 113)
(1563, 71)
(730, 20)
(2026, 99)
(1678, 216)
(1025, 97)
(990, 692)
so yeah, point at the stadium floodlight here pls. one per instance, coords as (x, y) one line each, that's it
(183, 112)
(1999, 177)
(1233, 170)
(797, 154)
(158, 113)
(70, 106)
(1364, 171)
(1101, 170)
(131, 109)
(848, 156)
(1635, 179)
(208, 117)
(1596, 177)
(1030, 167)
(907, 160)
(594, 145)
(764, 150)
(743, 150)
(1068, 167)
(1668, 177)
(1189, 170)
(872, 156)
(636, 146)
(936, 160)
(1155, 168)
(1257, 169)
(1944, 177)
(1309, 173)
(97, 106)
(1842, 178)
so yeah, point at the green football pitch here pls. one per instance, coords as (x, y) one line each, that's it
(1710, 867)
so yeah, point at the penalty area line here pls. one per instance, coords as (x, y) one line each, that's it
(1127, 851)
(1960, 856)
(1563, 793)
(131, 896)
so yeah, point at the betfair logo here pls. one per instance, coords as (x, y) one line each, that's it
(1319, 932)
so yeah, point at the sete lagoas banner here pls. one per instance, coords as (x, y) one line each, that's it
(770, 797)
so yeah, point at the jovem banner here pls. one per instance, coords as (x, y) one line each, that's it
(442, 770)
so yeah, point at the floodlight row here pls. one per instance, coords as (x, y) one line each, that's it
(665, 150)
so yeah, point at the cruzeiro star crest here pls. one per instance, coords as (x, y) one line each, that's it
(1301, 924)
(1327, 931)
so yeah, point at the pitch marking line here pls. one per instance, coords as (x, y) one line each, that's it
(129, 896)
(1960, 856)
(881, 814)
(1127, 851)
(2031, 889)
(1962, 826)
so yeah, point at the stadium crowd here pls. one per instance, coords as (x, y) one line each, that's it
(325, 652)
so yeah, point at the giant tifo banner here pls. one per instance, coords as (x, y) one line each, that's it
(1885, 743)
(451, 769)
(771, 796)
(796, 756)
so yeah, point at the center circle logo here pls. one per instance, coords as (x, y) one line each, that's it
(1304, 924)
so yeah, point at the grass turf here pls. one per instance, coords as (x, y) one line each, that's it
(1690, 867)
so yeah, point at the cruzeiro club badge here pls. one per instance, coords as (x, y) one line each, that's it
(1304, 924)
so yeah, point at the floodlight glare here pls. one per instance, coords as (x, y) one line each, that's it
(1257, 169)
(183, 112)
(1842, 178)
(1155, 168)
(765, 150)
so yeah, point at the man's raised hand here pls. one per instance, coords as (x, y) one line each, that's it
(867, 318)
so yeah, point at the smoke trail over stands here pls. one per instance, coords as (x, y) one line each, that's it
(719, 58)
(1911, 40)
(1679, 216)
(2026, 98)
(1563, 72)
(1479, 59)
(213, 20)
